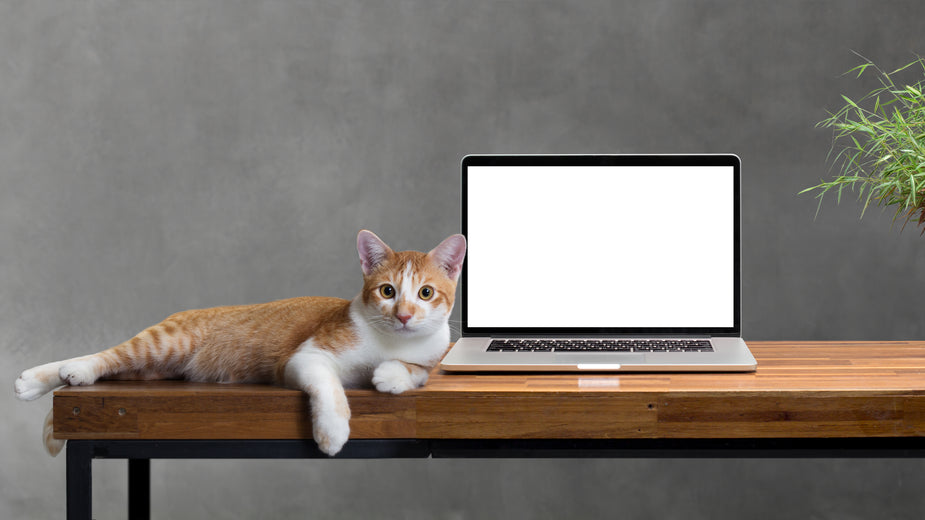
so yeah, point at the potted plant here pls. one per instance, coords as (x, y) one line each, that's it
(879, 144)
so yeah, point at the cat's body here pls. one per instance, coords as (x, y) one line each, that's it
(390, 335)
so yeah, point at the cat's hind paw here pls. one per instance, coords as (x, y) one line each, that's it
(392, 377)
(78, 373)
(28, 387)
(36, 382)
(331, 432)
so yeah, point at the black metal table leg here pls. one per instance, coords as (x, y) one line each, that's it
(79, 480)
(140, 452)
(139, 489)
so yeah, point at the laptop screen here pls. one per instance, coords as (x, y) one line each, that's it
(585, 244)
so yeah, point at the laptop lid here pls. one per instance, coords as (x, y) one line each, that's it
(616, 245)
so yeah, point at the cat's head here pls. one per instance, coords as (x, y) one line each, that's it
(409, 292)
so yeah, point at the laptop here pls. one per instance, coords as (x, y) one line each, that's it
(604, 263)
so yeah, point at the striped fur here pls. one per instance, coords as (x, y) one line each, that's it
(389, 336)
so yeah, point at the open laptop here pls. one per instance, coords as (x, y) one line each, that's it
(601, 263)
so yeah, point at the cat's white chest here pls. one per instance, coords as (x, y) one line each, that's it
(421, 349)
(355, 363)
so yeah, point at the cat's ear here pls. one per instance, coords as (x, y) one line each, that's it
(372, 250)
(450, 254)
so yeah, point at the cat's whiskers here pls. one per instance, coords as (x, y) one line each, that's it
(455, 326)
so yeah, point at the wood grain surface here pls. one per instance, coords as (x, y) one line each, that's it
(801, 389)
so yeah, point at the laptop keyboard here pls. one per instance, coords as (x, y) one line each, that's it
(600, 345)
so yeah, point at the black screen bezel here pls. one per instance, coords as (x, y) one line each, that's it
(608, 160)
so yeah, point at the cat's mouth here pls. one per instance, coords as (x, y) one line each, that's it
(404, 328)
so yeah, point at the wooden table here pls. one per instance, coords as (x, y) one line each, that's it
(806, 399)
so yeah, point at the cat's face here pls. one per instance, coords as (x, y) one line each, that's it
(408, 292)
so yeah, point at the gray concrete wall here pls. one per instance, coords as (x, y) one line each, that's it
(157, 156)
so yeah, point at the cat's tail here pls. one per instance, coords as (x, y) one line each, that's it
(52, 445)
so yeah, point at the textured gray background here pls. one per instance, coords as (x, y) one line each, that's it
(157, 156)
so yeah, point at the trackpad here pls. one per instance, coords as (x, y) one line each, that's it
(601, 359)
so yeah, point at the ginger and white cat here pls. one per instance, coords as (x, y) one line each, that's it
(391, 334)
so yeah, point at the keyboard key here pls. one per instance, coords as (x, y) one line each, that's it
(594, 345)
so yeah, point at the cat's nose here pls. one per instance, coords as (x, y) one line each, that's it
(403, 318)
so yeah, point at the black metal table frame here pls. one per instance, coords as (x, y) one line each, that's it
(80, 454)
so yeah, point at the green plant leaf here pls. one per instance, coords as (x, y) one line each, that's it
(860, 68)
(847, 99)
(878, 143)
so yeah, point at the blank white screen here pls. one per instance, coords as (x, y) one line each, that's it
(600, 246)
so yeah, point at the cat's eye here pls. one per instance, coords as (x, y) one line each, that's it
(387, 291)
(426, 293)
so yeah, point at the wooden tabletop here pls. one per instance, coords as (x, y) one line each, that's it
(801, 390)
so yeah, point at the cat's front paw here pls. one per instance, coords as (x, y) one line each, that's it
(78, 373)
(331, 432)
(392, 377)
